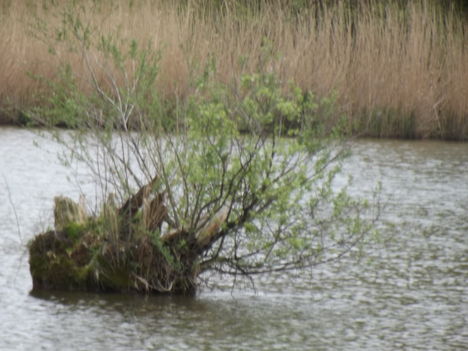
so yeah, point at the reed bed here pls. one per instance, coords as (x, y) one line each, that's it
(395, 70)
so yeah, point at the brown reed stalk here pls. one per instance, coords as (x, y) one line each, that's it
(396, 71)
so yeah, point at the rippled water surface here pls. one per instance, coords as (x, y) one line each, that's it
(408, 292)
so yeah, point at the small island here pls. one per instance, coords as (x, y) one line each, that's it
(78, 255)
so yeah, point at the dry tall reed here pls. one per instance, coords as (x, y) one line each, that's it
(395, 72)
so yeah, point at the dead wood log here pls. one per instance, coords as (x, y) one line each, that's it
(133, 204)
(67, 211)
(131, 207)
(208, 232)
(155, 212)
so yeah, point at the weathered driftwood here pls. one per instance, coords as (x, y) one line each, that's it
(206, 235)
(67, 211)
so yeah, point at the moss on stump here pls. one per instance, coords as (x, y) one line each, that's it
(121, 250)
(93, 263)
(54, 265)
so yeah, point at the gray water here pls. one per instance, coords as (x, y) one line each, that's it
(409, 291)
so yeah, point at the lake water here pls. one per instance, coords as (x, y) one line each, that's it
(408, 292)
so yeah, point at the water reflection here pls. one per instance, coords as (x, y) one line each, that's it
(218, 321)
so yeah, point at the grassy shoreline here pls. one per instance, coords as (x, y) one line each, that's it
(395, 71)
